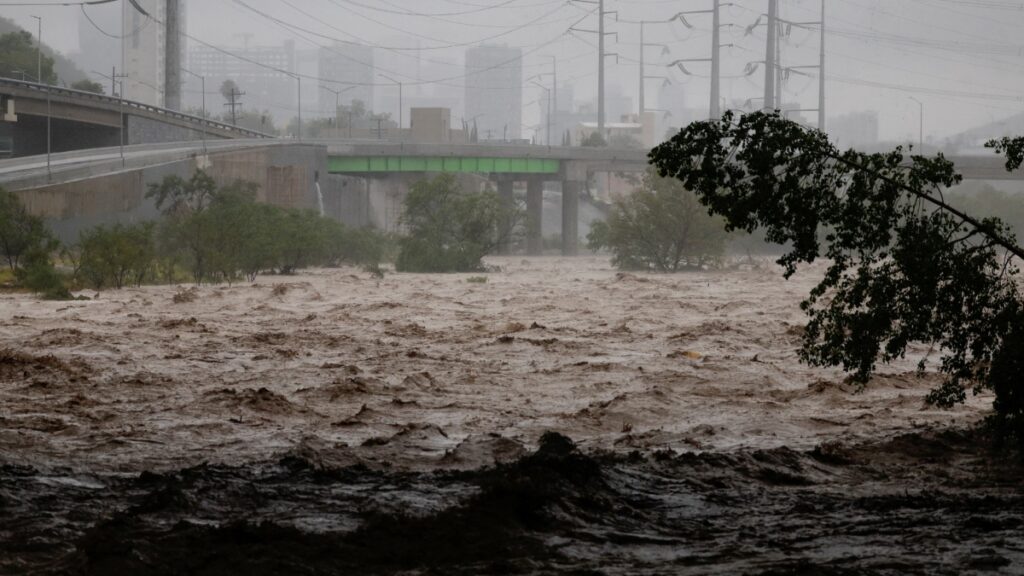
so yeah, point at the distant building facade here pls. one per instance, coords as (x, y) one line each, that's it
(154, 48)
(855, 130)
(268, 86)
(430, 125)
(494, 92)
(347, 66)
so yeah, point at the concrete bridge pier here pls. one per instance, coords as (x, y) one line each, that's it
(506, 195)
(571, 190)
(534, 217)
(574, 182)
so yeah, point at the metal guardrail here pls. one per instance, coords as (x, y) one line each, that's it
(152, 110)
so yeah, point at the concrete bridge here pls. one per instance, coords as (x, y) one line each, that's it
(77, 190)
(81, 120)
(74, 190)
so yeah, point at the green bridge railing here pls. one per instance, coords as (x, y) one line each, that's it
(468, 165)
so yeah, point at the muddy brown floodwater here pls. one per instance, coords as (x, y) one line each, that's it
(559, 418)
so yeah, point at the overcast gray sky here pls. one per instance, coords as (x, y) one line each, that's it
(963, 59)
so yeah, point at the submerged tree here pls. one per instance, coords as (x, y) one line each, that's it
(904, 265)
(450, 230)
(661, 226)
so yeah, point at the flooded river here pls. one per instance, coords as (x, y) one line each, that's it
(559, 417)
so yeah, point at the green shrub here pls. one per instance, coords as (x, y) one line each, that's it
(20, 232)
(449, 230)
(38, 274)
(118, 255)
(222, 234)
(661, 226)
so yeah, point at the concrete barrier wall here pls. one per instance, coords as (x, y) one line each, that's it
(286, 177)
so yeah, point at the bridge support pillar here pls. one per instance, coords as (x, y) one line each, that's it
(571, 190)
(534, 217)
(506, 195)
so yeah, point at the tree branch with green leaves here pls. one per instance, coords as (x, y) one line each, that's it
(904, 265)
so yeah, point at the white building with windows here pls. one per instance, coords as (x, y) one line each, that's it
(268, 86)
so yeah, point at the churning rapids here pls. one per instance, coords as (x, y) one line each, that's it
(559, 418)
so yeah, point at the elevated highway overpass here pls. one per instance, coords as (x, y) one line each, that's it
(81, 120)
(81, 189)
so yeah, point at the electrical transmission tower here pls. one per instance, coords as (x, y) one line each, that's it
(776, 74)
(715, 106)
(601, 56)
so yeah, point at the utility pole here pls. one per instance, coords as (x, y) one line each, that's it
(770, 60)
(234, 103)
(716, 61)
(781, 74)
(821, 74)
(600, 68)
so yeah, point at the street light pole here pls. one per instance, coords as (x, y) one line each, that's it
(548, 90)
(202, 79)
(39, 50)
(401, 108)
(39, 79)
(920, 139)
(337, 107)
(120, 99)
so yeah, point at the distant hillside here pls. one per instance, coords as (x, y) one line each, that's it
(65, 68)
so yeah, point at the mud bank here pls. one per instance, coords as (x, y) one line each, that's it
(917, 504)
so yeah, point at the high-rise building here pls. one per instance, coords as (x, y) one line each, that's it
(98, 46)
(494, 91)
(349, 67)
(154, 45)
(269, 85)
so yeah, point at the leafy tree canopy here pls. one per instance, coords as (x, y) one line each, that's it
(594, 140)
(88, 86)
(449, 230)
(904, 266)
(661, 226)
(18, 57)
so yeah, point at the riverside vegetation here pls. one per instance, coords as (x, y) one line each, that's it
(660, 227)
(208, 234)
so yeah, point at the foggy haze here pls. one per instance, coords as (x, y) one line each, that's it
(961, 60)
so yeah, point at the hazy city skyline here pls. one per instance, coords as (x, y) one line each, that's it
(957, 60)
